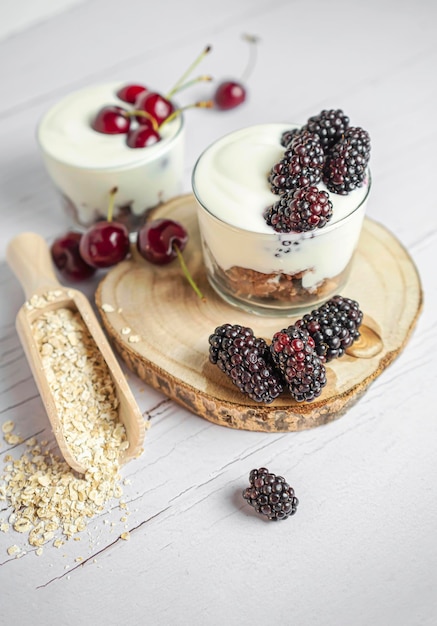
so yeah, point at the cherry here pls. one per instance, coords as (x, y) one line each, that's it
(129, 93)
(143, 136)
(229, 95)
(111, 120)
(155, 105)
(105, 243)
(157, 240)
(67, 259)
(162, 240)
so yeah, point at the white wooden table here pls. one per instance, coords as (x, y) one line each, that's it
(362, 548)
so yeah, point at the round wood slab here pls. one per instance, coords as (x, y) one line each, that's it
(160, 328)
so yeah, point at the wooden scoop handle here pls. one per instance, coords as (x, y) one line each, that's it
(29, 258)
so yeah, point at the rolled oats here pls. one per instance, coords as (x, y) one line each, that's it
(45, 494)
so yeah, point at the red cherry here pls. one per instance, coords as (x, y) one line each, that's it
(155, 105)
(143, 136)
(111, 120)
(129, 93)
(158, 239)
(105, 244)
(66, 257)
(229, 95)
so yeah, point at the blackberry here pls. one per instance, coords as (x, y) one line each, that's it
(288, 135)
(270, 495)
(246, 360)
(345, 167)
(334, 326)
(301, 166)
(329, 125)
(293, 351)
(300, 210)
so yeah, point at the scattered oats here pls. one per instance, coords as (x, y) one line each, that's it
(125, 536)
(127, 481)
(108, 308)
(119, 310)
(79, 559)
(68, 577)
(123, 519)
(12, 439)
(23, 525)
(125, 330)
(8, 426)
(134, 339)
(76, 538)
(46, 496)
(39, 551)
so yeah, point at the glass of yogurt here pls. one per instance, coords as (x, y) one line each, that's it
(249, 264)
(85, 165)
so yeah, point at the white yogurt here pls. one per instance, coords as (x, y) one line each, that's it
(230, 182)
(85, 165)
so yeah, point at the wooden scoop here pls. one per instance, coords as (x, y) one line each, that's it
(29, 257)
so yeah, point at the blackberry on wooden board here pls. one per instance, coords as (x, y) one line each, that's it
(293, 352)
(334, 326)
(270, 495)
(246, 360)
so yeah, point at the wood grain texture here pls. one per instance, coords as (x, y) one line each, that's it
(160, 329)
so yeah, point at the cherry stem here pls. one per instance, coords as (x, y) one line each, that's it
(184, 76)
(203, 104)
(111, 203)
(252, 40)
(187, 274)
(189, 83)
(144, 114)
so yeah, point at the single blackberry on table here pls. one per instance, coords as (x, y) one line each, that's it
(246, 360)
(270, 495)
(300, 210)
(301, 166)
(334, 326)
(346, 164)
(293, 352)
(330, 125)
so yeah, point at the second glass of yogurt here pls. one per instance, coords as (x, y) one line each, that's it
(249, 264)
(85, 165)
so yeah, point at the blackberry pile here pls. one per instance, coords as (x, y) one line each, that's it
(325, 148)
(293, 352)
(246, 360)
(301, 166)
(270, 495)
(334, 327)
(303, 209)
(346, 163)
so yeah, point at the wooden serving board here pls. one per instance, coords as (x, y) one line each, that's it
(160, 328)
